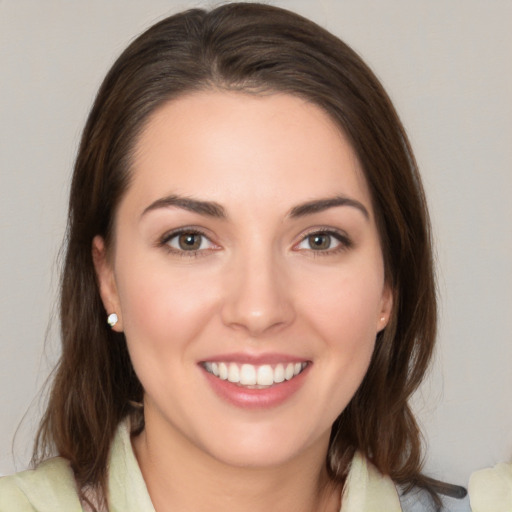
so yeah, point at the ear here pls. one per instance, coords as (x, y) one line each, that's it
(106, 281)
(386, 308)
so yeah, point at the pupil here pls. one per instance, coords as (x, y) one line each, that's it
(189, 241)
(320, 241)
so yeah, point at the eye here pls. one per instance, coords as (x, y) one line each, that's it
(187, 241)
(324, 241)
(319, 241)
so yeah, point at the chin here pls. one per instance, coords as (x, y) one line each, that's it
(255, 457)
(261, 448)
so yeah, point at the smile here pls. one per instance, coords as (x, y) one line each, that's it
(254, 376)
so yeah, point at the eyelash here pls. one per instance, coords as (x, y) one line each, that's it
(344, 242)
(164, 242)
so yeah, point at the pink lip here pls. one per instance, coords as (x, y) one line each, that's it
(256, 359)
(245, 398)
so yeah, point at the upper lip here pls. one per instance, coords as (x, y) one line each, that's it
(254, 359)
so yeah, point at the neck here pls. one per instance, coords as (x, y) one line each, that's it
(181, 477)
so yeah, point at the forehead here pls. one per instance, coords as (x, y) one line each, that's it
(237, 147)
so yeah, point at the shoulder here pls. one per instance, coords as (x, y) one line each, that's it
(49, 487)
(453, 499)
(490, 489)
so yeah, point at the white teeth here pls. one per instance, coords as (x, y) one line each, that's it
(233, 373)
(251, 375)
(265, 376)
(248, 375)
(279, 373)
(223, 371)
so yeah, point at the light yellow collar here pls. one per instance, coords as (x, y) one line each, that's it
(127, 489)
(367, 490)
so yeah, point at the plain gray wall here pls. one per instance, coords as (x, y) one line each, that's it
(448, 67)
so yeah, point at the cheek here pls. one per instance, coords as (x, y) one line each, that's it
(348, 328)
(343, 309)
(345, 305)
(160, 308)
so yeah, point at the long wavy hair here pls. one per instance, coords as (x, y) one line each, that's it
(256, 49)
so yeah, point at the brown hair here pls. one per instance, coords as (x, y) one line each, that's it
(253, 48)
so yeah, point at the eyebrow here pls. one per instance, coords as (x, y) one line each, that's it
(215, 210)
(207, 208)
(321, 205)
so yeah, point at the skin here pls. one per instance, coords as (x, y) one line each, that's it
(259, 285)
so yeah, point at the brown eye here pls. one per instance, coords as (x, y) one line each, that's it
(189, 241)
(328, 242)
(319, 241)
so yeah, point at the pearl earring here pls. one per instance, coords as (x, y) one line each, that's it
(112, 319)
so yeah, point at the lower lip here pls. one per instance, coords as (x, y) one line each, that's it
(266, 398)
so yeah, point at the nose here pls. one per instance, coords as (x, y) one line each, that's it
(258, 296)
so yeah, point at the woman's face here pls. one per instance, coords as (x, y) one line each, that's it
(247, 275)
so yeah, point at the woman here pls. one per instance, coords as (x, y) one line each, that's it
(248, 298)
